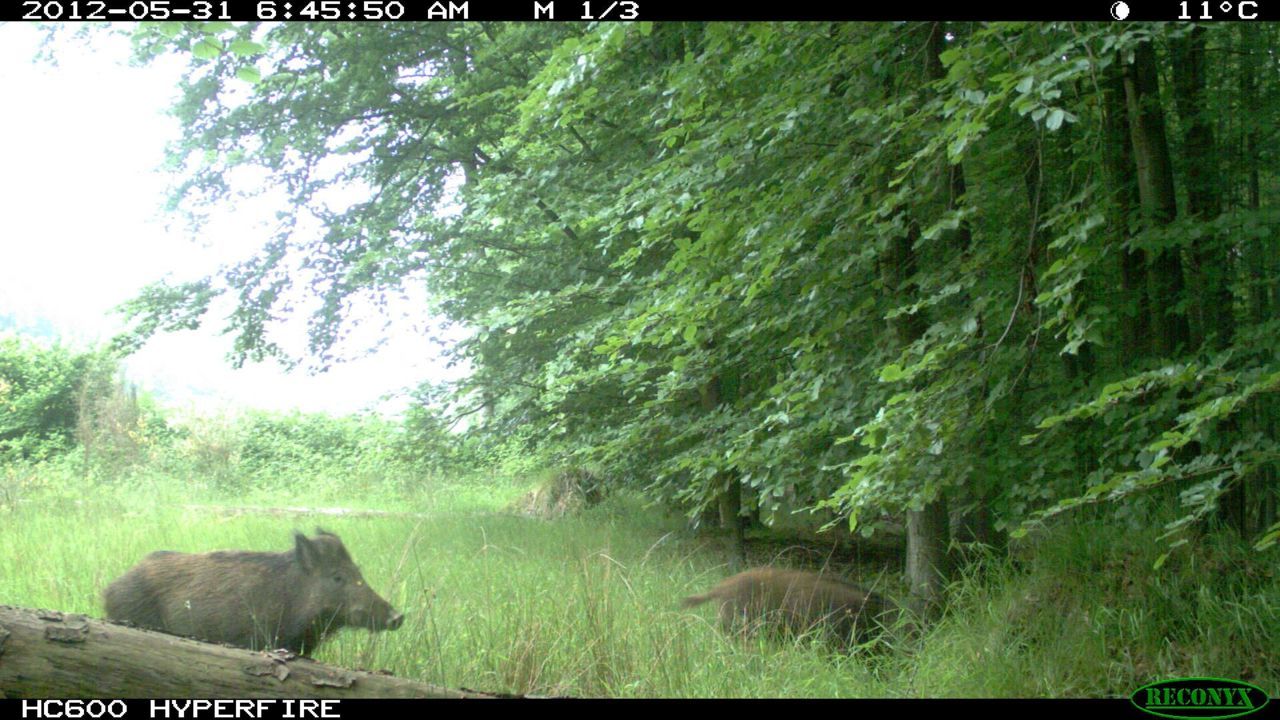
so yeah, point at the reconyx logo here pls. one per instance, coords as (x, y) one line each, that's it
(1199, 698)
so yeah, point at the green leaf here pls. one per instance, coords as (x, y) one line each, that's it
(207, 48)
(249, 74)
(247, 48)
(891, 373)
(690, 333)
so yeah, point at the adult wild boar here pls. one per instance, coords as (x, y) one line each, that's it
(257, 600)
(794, 603)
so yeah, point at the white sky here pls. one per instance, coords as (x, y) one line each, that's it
(81, 231)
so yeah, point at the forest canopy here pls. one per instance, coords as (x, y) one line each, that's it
(978, 273)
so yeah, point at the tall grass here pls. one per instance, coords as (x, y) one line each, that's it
(588, 605)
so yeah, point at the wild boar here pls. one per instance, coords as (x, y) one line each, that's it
(257, 600)
(794, 603)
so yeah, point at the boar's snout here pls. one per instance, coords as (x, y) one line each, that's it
(377, 615)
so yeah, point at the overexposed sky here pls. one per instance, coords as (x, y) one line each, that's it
(81, 230)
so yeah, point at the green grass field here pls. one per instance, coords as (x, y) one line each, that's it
(588, 605)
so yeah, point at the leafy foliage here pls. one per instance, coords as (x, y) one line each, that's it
(626, 216)
(43, 393)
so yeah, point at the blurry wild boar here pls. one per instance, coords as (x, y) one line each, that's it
(794, 603)
(255, 600)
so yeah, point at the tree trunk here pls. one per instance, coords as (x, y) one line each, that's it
(731, 520)
(1211, 261)
(976, 521)
(1261, 486)
(928, 566)
(1248, 82)
(1122, 191)
(46, 654)
(729, 488)
(1157, 198)
(927, 538)
(927, 533)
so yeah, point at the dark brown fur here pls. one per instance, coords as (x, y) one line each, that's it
(257, 600)
(794, 603)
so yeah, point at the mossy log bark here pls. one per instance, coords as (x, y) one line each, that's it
(46, 654)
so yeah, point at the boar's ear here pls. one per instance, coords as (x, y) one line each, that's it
(306, 552)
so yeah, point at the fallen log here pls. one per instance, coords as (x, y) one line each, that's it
(48, 654)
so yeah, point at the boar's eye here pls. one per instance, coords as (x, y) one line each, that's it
(337, 579)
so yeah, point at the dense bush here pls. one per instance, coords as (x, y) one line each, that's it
(54, 398)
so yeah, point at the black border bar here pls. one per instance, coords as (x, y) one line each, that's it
(1128, 11)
